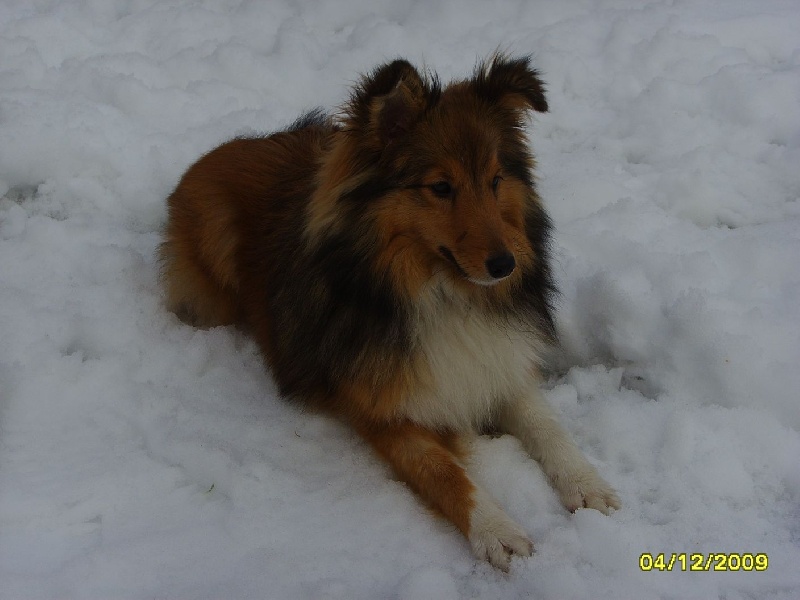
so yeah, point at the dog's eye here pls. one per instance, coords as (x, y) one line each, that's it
(442, 189)
(496, 182)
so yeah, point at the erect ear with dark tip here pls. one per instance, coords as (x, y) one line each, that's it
(392, 115)
(511, 82)
(389, 101)
(385, 78)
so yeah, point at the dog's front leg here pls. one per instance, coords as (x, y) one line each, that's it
(430, 463)
(530, 419)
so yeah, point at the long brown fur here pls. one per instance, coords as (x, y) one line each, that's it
(344, 244)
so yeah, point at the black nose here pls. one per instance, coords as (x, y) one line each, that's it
(500, 265)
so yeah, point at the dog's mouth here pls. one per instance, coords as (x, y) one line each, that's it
(448, 255)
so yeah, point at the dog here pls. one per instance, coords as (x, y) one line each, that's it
(391, 262)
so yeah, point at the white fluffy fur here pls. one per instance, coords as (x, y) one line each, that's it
(474, 364)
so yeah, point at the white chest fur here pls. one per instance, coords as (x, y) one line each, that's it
(474, 362)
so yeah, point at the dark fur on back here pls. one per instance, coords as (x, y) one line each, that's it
(358, 322)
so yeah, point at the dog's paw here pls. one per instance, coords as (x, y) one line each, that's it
(500, 543)
(586, 489)
(495, 537)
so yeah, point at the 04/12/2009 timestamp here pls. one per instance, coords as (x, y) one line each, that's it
(698, 561)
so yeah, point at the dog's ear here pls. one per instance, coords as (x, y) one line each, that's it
(511, 82)
(388, 102)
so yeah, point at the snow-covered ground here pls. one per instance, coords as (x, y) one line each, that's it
(141, 458)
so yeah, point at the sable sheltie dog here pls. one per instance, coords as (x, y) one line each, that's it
(392, 263)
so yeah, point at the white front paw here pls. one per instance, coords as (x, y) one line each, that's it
(494, 536)
(584, 488)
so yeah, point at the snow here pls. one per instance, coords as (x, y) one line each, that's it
(141, 458)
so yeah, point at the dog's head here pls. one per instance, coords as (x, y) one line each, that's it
(452, 169)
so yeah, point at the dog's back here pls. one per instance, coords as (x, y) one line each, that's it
(232, 217)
